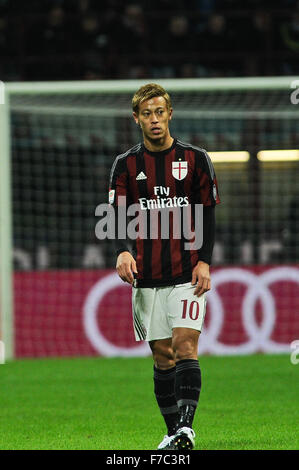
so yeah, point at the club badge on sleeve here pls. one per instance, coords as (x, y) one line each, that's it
(215, 192)
(111, 196)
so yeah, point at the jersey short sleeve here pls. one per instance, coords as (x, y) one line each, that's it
(205, 181)
(118, 181)
(119, 197)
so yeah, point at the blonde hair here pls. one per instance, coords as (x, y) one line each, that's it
(148, 91)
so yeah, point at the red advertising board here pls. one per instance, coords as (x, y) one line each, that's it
(88, 313)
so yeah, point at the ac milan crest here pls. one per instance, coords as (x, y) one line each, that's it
(179, 170)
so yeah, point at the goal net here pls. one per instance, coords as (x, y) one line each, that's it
(58, 143)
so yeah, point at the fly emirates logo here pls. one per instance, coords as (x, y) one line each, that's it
(163, 200)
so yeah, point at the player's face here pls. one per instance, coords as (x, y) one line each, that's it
(153, 118)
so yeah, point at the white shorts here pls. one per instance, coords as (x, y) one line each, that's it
(157, 310)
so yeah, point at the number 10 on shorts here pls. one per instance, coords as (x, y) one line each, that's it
(190, 309)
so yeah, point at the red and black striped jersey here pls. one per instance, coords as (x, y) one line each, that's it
(180, 176)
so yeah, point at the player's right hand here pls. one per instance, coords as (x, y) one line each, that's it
(126, 266)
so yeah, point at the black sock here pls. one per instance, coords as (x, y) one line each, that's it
(164, 381)
(187, 389)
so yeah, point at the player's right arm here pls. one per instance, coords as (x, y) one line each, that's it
(119, 199)
(126, 266)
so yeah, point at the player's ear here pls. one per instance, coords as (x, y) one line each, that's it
(135, 116)
(170, 113)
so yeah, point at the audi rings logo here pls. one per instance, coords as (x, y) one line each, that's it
(258, 289)
(259, 335)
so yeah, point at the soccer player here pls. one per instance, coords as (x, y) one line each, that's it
(169, 279)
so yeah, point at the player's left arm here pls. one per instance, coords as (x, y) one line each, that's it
(201, 272)
(206, 189)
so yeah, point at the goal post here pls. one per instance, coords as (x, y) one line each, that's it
(6, 278)
(50, 108)
(172, 84)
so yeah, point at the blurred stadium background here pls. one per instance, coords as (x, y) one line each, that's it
(88, 39)
(66, 299)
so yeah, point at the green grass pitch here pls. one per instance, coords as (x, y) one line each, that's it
(246, 402)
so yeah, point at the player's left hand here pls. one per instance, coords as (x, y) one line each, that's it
(201, 278)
